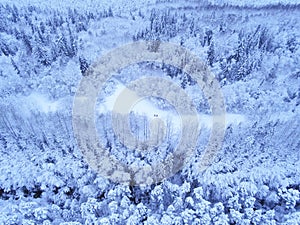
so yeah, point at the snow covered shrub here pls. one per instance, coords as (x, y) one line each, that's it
(290, 197)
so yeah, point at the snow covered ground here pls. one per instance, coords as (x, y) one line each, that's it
(145, 107)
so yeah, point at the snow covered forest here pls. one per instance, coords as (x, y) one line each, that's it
(253, 49)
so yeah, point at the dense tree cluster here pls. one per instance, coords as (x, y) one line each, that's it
(44, 178)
